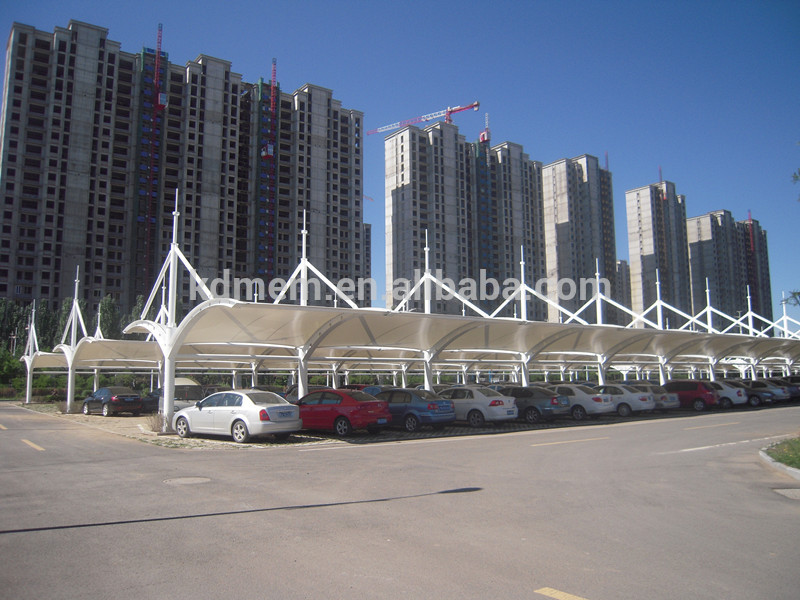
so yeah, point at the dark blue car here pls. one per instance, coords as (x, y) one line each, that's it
(413, 408)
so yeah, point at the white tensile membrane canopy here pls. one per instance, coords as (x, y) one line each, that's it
(222, 333)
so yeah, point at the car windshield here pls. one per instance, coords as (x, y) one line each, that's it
(714, 385)
(426, 395)
(657, 389)
(360, 396)
(264, 398)
(489, 392)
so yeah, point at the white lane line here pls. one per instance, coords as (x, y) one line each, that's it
(774, 437)
(709, 426)
(570, 441)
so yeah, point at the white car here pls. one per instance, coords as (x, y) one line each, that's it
(584, 401)
(729, 394)
(628, 400)
(664, 400)
(477, 404)
(241, 414)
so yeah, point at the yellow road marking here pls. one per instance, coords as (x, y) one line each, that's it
(551, 593)
(34, 446)
(3, 427)
(569, 442)
(708, 426)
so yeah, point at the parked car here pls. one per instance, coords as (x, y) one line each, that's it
(792, 389)
(584, 401)
(413, 408)
(187, 393)
(664, 400)
(729, 395)
(477, 404)
(535, 403)
(113, 400)
(627, 399)
(755, 396)
(780, 393)
(343, 411)
(241, 414)
(693, 393)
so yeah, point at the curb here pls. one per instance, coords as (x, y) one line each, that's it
(790, 471)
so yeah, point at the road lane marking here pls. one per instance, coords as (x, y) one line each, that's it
(774, 437)
(708, 426)
(569, 442)
(3, 427)
(551, 593)
(34, 446)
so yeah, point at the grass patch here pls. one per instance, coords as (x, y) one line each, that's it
(787, 452)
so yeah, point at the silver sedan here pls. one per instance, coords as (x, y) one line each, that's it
(241, 414)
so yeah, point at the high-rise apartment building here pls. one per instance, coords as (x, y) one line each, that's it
(756, 261)
(716, 263)
(657, 247)
(480, 206)
(578, 228)
(95, 141)
(728, 258)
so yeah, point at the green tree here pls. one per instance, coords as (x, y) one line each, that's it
(109, 316)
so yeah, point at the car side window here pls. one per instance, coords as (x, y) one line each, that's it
(401, 398)
(329, 398)
(213, 400)
(447, 394)
(231, 400)
(312, 399)
(565, 391)
(468, 394)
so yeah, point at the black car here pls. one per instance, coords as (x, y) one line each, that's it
(113, 400)
(537, 403)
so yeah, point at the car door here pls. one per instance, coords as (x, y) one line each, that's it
(99, 397)
(329, 409)
(224, 413)
(202, 419)
(310, 411)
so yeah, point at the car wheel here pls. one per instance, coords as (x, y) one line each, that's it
(106, 410)
(726, 403)
(623, 410)
(532, 415)
(475, 418)
(239, 432)
(754, 401)
(86, 408)
(698, 405)
(182, 427)
(578, 413)
(411, 423)
(342, 427)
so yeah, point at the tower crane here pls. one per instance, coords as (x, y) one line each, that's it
(447, 114)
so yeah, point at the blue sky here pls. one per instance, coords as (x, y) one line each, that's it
(708, 91)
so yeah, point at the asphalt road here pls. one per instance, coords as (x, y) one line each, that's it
(655, 509)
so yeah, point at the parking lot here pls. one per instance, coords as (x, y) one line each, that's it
(141, 428)
(656, 508)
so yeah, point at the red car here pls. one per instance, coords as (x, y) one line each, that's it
(694, 394)
(343, 411)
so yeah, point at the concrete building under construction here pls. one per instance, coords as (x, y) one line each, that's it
(95, 141)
